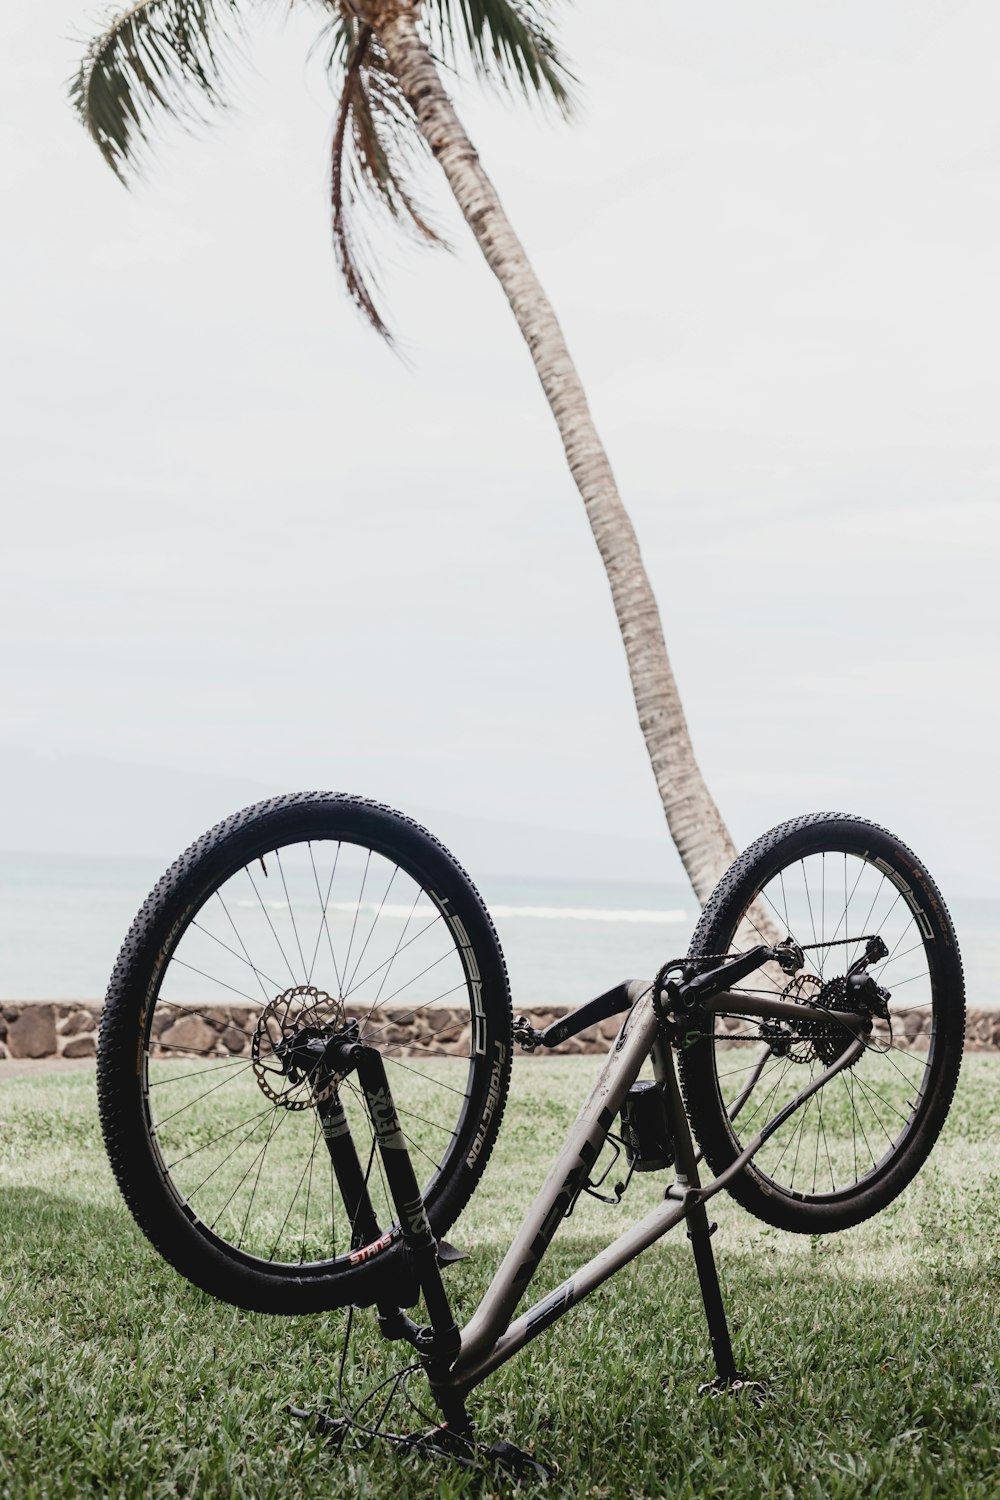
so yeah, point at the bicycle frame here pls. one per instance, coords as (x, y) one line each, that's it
(456, 1361)
(490, 1338)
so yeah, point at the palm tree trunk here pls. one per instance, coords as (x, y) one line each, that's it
(695, 823)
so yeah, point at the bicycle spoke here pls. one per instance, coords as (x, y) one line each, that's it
(805, 1110)
(226, 1159)
(291, 913)
(203, 1015)
(234, 1062)
(305, 1216)
(276, 1126)
(393, 956)
(239, 1138)
(267, 918)
(409, 1015)
(354, 924)
(221, 982)
(244, 957)
(438, 1082)
(298, 1189)
(381, 907)
(878, 1118)
(826, 1145)
(415, 938)
(195, 1150)
(324, 925)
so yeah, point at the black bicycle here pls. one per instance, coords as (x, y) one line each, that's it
(306, 1048)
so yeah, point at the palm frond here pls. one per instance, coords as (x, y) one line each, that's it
(376, 141)
(511, 44)
(162, 58)
(375, 146)
(152, 59)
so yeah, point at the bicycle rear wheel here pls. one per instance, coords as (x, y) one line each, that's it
(278, 927)
(829, 881)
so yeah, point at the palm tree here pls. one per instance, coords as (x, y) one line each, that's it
(164, 56)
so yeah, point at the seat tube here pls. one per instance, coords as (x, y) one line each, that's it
(699, 1229)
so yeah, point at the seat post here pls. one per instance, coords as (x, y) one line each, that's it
(699, 1231)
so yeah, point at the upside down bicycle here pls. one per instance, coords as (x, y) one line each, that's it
(306, 1049)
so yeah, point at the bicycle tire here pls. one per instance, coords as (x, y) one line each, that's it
(163, 1027)
(894, 1080)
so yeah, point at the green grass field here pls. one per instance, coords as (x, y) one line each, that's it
(881, 1346)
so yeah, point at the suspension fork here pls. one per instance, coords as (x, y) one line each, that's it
(440, 1342)
(351, 1179)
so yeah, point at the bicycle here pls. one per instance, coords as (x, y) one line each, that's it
(264, 1110)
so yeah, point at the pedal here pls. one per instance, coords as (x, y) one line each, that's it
(441, 1442)
(334, 1428)
(526, 1035)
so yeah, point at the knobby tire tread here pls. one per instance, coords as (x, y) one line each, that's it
(122, 1114)
(704, 1106)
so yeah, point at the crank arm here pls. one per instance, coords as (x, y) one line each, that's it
(703, 987)
(612, 1003)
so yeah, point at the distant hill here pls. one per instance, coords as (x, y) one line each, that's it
(80, 804)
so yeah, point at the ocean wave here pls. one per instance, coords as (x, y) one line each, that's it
(591, 914)
(659, 917)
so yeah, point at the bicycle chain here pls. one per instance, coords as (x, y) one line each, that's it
(814, 1034)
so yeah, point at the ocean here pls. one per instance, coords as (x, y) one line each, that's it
(63, 918)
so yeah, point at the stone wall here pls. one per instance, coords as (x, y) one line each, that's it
(68, 1028)
(38, 1028)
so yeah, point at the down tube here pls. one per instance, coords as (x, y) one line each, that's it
(590, 1276)
(568, 1173)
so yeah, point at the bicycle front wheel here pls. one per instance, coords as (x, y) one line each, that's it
(283, 925)
(829, 882)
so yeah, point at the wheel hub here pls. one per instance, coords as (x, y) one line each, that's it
(291, 1043)
(808, 1040)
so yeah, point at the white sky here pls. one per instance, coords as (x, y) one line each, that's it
(244, 542)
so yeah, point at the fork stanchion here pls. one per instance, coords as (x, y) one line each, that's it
(347, 1169)
(440, 1342)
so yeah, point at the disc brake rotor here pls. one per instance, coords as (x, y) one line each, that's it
(283, 1065)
